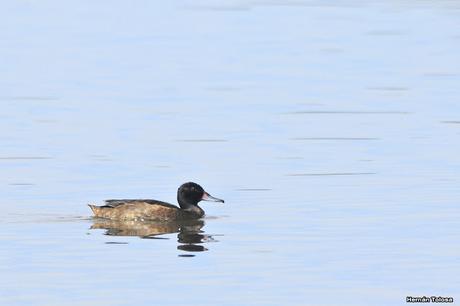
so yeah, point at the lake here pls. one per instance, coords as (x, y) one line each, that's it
(332, 131)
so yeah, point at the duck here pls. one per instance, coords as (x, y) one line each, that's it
(188, 196)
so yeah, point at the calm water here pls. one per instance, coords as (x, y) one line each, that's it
(332, 132)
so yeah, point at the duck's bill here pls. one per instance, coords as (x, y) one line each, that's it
(208, 197)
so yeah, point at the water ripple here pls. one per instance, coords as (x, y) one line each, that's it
(332, 174)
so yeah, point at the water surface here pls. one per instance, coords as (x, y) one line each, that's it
(331, 131)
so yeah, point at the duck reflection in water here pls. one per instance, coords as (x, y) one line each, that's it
(190, 234)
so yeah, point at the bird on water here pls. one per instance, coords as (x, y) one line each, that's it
(188, 197)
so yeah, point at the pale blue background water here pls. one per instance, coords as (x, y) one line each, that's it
(331, 130)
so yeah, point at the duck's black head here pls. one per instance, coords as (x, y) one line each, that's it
(191, 193)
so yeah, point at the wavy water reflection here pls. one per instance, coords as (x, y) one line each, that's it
(190, 235)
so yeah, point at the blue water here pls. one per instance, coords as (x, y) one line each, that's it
(332, 131)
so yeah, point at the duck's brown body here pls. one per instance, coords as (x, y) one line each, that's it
(145, 210)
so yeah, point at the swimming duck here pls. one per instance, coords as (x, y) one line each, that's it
(188, 196)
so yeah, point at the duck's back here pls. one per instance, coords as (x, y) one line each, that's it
(142, 209)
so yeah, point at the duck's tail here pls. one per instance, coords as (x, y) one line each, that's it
(94, 208)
